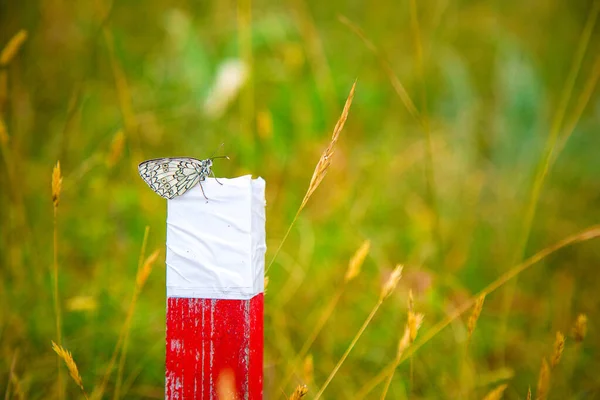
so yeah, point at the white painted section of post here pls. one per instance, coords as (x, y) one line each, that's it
(216, 247)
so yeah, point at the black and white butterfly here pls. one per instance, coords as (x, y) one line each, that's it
(171, 177)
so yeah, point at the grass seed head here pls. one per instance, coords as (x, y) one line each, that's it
(559, 346)
(392, 282)
(325, 160)
(299, 392)
(309, 369)
(116, 149)
(497, 393)
(580, 328)
(357, 261)
(71, 366)
(529, 393)
(3, 133)
(144, 272)
(414, 323)
(12, 47)
(56, 184)
(543, 385)
(475, 314)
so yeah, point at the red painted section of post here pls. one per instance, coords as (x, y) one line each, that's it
(206, 337)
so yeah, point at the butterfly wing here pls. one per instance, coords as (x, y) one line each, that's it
(170, 177)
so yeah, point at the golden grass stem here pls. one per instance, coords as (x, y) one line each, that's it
(582, 236)
(142, 275)
(56, 188)
(320, 169)
(548, 157)
(386, 291)
(413, 323)
(324, 317)
(349, 349)
(584, 98)
(99, 391)
(353, 270)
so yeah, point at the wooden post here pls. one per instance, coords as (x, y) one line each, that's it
(215, 285)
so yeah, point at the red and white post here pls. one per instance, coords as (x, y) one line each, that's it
(215, 284)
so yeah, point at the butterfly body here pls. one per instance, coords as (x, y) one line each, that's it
(171, 177)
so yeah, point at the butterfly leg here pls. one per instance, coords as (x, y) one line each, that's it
(204, 194)
(214, 176)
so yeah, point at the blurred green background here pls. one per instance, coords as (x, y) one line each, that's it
(102, 86)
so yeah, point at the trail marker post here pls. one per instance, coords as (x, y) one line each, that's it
(215, 286)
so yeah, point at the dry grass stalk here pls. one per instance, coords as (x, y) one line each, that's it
(584, 235)
(56, 188)
(226, 386)
(580, 328)
(13, 380)
(325, 160)
(299, 392)
(320, 169)
(559, 346)
(144, 272)
(475, 314)
(386, 291)
(116, 149)
(497, 393)
(353, 271)
(543, 385)
(12, 47)
(266, 285)
(528, 393)
(71, 366)
(413, 323)
(142, 275)
(56, 184)
(4, 138)
(309, 369)
(392, 282)
(98, 392)
(357, 261)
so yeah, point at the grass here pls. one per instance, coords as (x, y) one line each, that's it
(466, 151)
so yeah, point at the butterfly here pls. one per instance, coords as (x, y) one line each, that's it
(171, 177)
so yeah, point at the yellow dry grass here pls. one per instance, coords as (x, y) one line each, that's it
(12, 47)
(543, 385)
(559, 346)
(299, 392)
(497, 393)
(321, 168)
(71, 365)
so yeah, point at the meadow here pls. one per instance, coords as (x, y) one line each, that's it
(433, 191)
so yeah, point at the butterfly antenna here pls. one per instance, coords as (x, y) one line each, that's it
(216, 151)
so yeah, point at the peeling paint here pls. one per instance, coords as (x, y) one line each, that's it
(208, 336)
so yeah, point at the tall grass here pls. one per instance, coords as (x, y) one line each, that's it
(458, 105)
